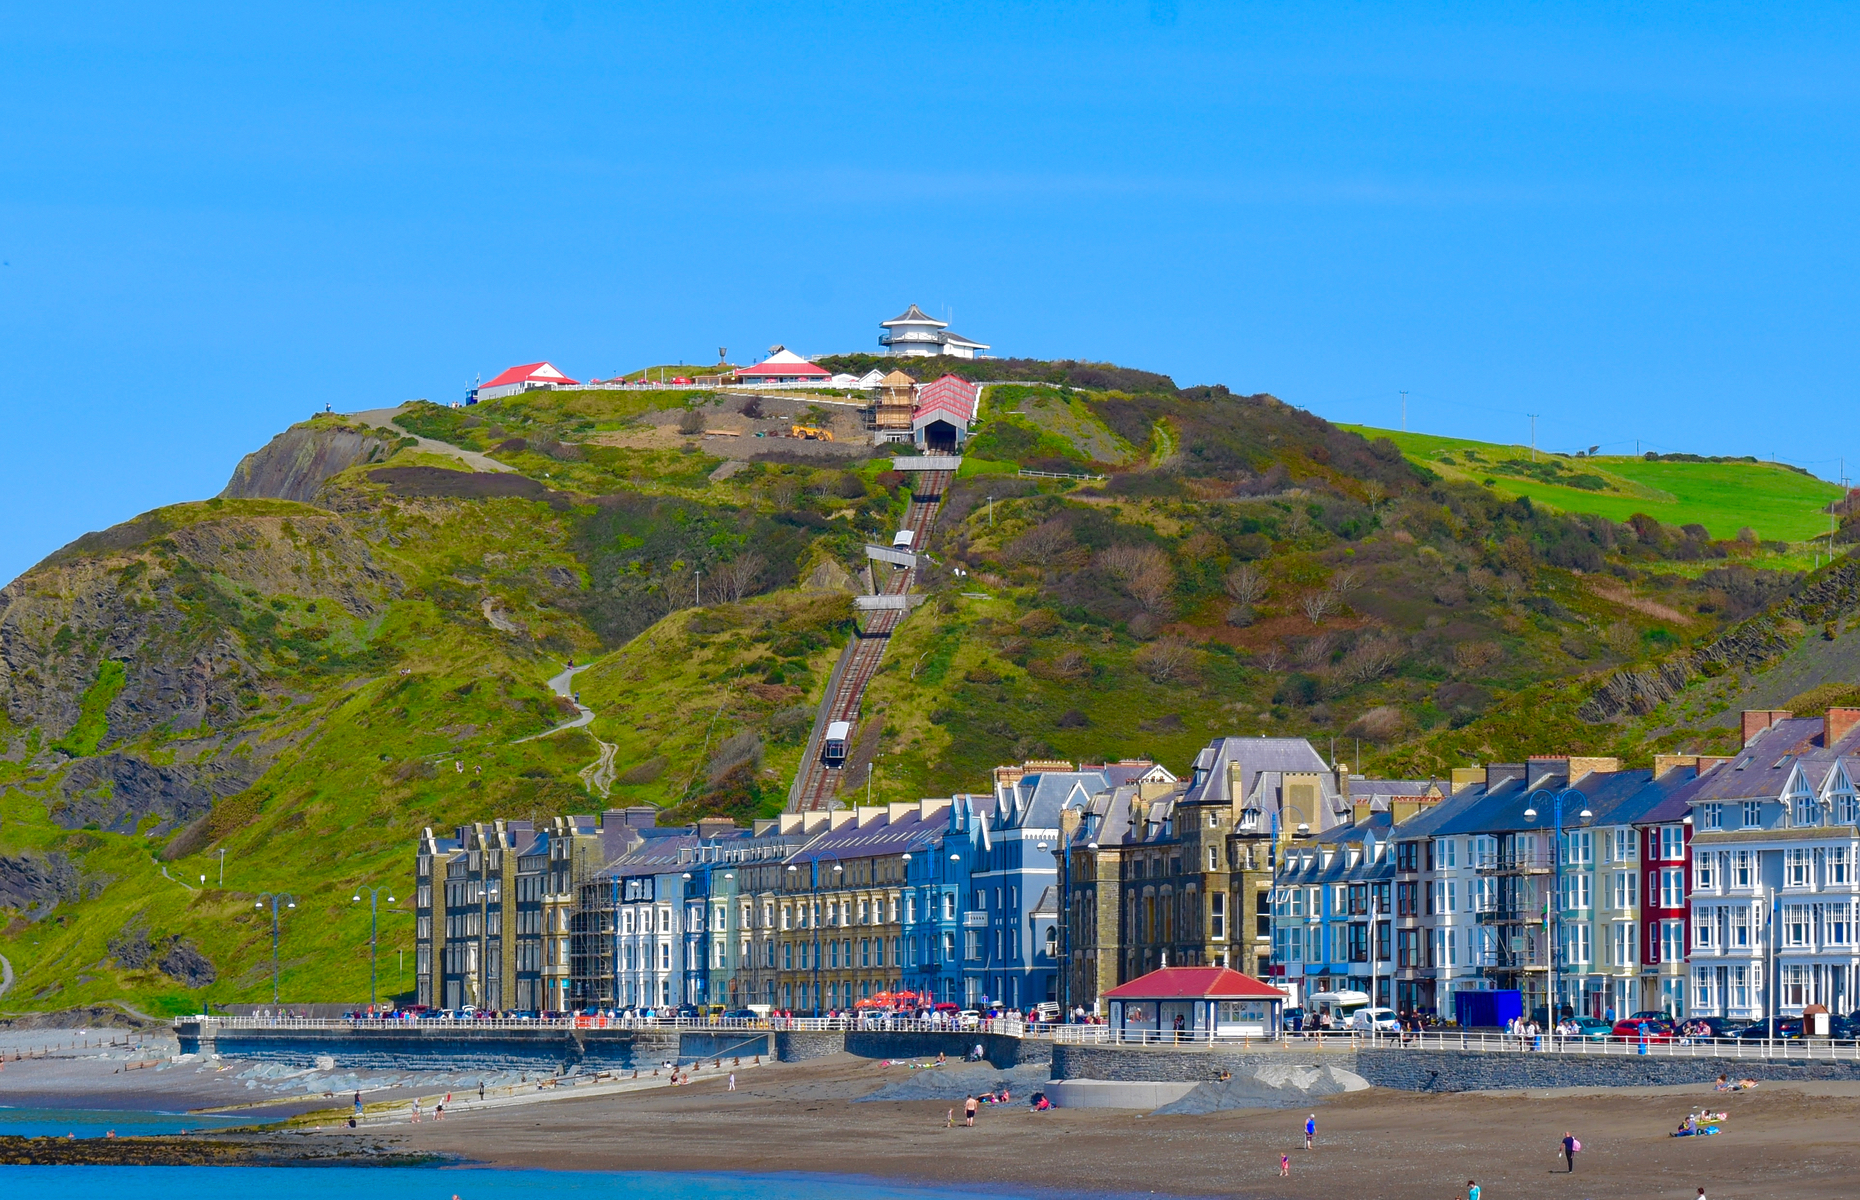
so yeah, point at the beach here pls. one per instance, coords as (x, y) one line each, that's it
(843, 1115)
(1785, 1141)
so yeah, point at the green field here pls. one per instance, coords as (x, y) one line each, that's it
(1778, 502)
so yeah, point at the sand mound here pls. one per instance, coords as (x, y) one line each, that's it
(1271, 1086)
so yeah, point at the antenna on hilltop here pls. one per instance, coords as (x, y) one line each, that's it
(1533, 417)
(1404, 412)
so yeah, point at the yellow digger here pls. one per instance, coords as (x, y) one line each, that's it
(812, 433)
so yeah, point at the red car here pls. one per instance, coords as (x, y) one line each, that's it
(1652, 1030)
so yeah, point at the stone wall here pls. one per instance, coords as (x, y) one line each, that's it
(1433, 1070)
(998, 1049)
(1183, 1064)
(1470, 1070)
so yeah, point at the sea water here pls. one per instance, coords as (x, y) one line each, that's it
(417, 1183)
(96, 1122)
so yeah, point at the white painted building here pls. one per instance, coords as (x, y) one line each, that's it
(914, 333)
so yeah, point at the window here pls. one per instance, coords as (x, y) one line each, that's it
(1576, 947)
(1796, 867)
(1702, 928)
(1795, 984)
(1408, 948)
(1807, 811)
(1443, 853)
(1740, 987)
(1714, 815)
(1578, 848)
(949, 947)
(1407, 903)
(1359, 943)
(1359, 899)
(1406, 856)
(1740, 928)
(787, 956)
(1576, 891)
(1753, 814)
(1672, 887)
(1740, 870)
(865, 952)
(1701, 872)
(1379, 894)
(1701, 989)
(1672, 941)
(972, 945)
(665, 920)
(1838, 870)
(1626, 890)
(949, 906)
(1837, 925)
(665, 956)
(1485, 895)
(1621, 939)
(1217, 915)
(1339, 899)
(1795, 925)
(1446, 948)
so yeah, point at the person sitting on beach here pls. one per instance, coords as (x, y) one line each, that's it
(940, 1060)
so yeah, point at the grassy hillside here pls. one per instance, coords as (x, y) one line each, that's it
(300, 687)
(1776, 502)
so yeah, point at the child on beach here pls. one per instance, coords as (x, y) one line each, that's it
(1285, 1166)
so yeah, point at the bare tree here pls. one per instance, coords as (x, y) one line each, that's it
(1042, 545)
(1375, 493)
(1343, 582)
(1246, 583)
(1165, 659)
(1318, 604)
(738, 577)
(1371, 658)
(1473, 656)
(1272, 658)
(1144, 572)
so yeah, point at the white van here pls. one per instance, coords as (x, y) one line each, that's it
(1341, 1005)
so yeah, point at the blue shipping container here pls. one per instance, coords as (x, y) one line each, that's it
(1487, 1009)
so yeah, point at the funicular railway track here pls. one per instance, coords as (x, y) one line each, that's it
(819, 778)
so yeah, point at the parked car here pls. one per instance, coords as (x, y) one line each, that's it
(690, 1012)
(1294, 1019)
(1653, 1030)
(1045, 1013)
(1592, 1028)
(1706, 1027)
(1381, 1020)
(1786, 1029)
(740, 1014)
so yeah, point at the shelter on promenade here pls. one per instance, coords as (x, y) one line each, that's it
(1196, 1002)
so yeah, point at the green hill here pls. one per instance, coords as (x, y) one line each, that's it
(296, 687)
(1776, 502)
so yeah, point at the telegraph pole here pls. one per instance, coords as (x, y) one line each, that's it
(1404, 412)
(1533, 417)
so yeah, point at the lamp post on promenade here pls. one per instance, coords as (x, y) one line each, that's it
(290, 901)
(373, 926)
(1556, 886)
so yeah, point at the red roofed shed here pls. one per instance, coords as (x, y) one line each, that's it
(1195, 1003)
(783, 366)
(522, 378)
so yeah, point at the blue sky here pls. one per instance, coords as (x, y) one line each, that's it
(1637, 221)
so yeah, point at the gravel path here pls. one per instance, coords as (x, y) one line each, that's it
(383, 418)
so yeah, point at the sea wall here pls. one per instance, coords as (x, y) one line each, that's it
(999, 1050)
(461, 1047)
(1434, 1070)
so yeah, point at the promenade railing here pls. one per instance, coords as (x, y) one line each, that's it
(1484, 1042)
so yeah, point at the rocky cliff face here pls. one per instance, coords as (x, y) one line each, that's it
(293, 465)
(164, 639)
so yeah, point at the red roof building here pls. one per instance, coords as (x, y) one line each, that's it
(522, 379)
(783, 366)
(1189, 1003)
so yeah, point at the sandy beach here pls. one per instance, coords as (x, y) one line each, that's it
(1784, 1141)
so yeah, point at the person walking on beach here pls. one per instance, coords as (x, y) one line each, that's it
(732, 1080)
(1285, 1166)
(968, 1112)
(1570, 1146)
(1472, 1190)
(952, 1119)
(416, 1110)
(1310, 1130)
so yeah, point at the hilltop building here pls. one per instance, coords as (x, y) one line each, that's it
(784, 366)
(914, 333)
(524, 378)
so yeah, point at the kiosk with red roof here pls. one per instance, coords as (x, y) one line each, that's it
(783, 366)
(1195, 1002)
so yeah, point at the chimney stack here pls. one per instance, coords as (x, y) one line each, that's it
(1758, 719)
(1841, 722)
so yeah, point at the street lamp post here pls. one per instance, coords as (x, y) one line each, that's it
(373, 925)
(290, 901)
(1556, 885)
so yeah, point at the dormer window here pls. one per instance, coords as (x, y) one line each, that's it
(1753, 814)
(1807, 811)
